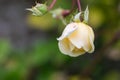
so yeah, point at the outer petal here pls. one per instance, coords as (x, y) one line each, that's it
(92, 46)
(64, 46)
(91, 33)
(80, 37)
(91, 38)
(68, 30)
(68, 48)
(88, 45)
(77, 52)
(71, 46)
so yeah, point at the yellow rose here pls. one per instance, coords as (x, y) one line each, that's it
(76, 39)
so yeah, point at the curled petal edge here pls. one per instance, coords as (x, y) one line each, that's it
(68, 30)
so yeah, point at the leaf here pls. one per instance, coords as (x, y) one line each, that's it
(70, 17)
(77, 17)
(86, 15)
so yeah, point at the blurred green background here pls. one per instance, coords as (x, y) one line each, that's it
(29, 49)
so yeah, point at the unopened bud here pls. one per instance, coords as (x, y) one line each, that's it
(39, 9)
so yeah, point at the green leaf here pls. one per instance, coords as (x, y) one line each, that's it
(77, 17)
(70, 17)
(86, 15)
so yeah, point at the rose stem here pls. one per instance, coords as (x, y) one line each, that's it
(52, 4)
(79, 5)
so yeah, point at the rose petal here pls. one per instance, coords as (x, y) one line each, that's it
(86, 41)
(78, 52)
(80, 38)
(91, 40)
(64, 46)
(71, 46)
(67, 48)
(91, 33)
(68, 30)
(92, 45)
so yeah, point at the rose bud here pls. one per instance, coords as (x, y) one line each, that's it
(76, 39)
(38, 10)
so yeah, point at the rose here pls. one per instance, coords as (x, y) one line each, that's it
(76, 39)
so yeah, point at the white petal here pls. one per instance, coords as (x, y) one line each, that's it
(91, 33)
(75, 39)
(68, 30)
(91, 39)
(68, 49)
(64, 46)
(88, 40)
(77, 52)
(71, 46)
(92, 47)
(74, 55)
(79, 37)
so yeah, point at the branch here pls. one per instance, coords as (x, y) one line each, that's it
(52, 4)
(79, 5)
